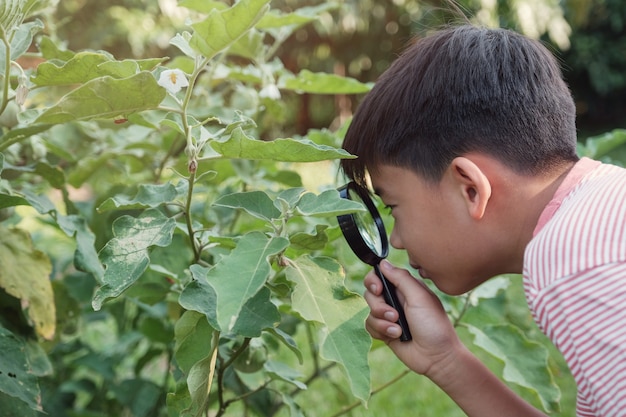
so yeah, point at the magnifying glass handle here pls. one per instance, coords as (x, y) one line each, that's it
(389, 293)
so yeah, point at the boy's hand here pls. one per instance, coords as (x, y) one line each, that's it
(435, 342)
(435, 350)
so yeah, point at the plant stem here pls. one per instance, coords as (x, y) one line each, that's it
(194, 245)
(7, 71)
(457, 319)
(356, 404)
(220, 375)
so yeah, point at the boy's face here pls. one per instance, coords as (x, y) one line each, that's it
(432, 224)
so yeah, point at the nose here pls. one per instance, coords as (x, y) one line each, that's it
(394, 239)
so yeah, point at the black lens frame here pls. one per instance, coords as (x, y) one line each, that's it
(349, 227)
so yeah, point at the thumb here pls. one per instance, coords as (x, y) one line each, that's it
(405, 283)
(397, 276)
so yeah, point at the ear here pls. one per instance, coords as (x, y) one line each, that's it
(473, 184)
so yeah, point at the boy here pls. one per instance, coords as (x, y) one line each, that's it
(470, 139)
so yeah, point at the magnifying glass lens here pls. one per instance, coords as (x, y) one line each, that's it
(365, 233)
(367, 227)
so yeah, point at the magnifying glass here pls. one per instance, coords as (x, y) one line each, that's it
(365, 233)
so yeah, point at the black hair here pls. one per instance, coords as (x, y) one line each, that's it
(465, 89)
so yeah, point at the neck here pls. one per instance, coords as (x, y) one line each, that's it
(526, 203)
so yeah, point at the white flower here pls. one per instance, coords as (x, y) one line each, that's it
(270, 91)
(20, 94)
(173, 80)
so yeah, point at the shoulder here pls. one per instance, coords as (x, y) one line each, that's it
(587, 227)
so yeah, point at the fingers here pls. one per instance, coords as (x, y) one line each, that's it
(381, 323)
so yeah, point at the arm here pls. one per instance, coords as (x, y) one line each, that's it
(436, 350)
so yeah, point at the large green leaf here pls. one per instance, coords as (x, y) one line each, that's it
(326, 204)
(25, 274)
(256, 203)
(126, 255)
(194, 355)
(320, 296)
(85, 66)
(82, 67)
(229, 294)
(16, 376)
(193, 349)
(223, 27)
(147, 195)
(192, 335)
(323, 83)
(106, 97)
(241, 146)
(525, 361)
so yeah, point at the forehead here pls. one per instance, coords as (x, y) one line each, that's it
(390, 180)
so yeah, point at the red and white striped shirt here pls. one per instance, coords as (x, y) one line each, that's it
(575, 282)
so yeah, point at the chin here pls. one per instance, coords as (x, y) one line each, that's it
(451, 288)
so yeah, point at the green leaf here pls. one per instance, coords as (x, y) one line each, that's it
(228, 293)
(320, 296)
(50, 50)
(199, 383)
(288, 341)
(281, 371)
(52, 173)
(277, 19)
(326, 204)
(82, 67)
(139, 395)
(256, 203)
(202, 6)
(248, 46)
(20, 41)
(222, 28)
(324, 83)
(87, 166)
(85, 257)
(148, 195)
(12, 201)
(598, 146)
(106, 97)
(18, 134)
(192, 334)
(525, 361)
(310, 242)
(25, 274)
(257, 314)
(126, 255)
(16, 376)
(241, 146)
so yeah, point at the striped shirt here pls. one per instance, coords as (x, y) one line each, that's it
(575, 282)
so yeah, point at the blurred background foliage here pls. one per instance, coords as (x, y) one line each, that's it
(360, 38)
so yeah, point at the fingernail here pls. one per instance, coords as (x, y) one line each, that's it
(389, 315)
(394, 331)
(385, 264)
(373, 288)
